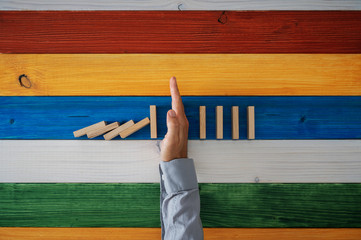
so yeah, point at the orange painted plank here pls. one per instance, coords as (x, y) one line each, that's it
(197, 74)
(11, 233)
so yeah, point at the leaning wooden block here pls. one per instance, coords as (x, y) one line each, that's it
(202, 122)
(235, 122)
(134, 128)
(250, 123)
(83, 131)
(102, 130)
(112, 134)
(219, 122)
(153, 121)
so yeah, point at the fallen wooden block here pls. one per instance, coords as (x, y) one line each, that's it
(83, 131)
(202, 122)
(219, 122)
(102, 130)
(134, 128)
(153, 121)
(235, 122)
(250, 123)
(112, 134)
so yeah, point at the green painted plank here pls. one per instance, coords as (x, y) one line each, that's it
(137, 205)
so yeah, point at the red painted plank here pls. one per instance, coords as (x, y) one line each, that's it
(180, 32)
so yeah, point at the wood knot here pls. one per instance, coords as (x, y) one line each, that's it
(223, 18)
(303, 119)
(180, 6)
(25, 81)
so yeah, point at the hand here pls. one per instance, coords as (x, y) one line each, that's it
(174, 144)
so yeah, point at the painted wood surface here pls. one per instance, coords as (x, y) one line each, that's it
(9, 233)
(197, 74)
(180, 32)
(276, 117)
(180, 5)
(222, 205)
(292, 161)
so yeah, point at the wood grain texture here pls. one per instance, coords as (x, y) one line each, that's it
(235, 122)
(277, 117)
(103, 130)
(180, 5)
(312, 161)
(180, 32)
(251, 127)
(219, 122)
(19, 233)
(137, 205)
(112, 134)
(148, 74)
(202, 122)
(153, 121)
(85, 130)
(134, 128)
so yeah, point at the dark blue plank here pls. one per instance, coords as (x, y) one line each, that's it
(276, 117)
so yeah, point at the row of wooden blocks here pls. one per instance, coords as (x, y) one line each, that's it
(235, 122)
(112, 130)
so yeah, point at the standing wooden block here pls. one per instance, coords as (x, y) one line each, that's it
(100, 131)
(235, 122)
(112, 134)
(83, 131)
(202, 122)
(250, 122)
(219, 122)
(153, 121)
(134, 128)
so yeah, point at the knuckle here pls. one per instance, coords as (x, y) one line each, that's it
(174, 124)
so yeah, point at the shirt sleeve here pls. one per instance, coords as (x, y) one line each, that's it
(179, 200)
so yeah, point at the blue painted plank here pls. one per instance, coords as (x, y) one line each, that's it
(276, 117)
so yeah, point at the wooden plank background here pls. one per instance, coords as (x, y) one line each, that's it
(276, 117)
(321, 161)
(148, 74)
(335, 72)
(180, 5)
(180, 32)
(27, 233)
(137, 205)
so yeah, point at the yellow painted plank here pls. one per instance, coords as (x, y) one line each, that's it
(197, 74)
(11, 233)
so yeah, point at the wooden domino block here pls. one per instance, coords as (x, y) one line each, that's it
(153, 121)
(112, 134)
(202, 122)
(100, 131)
(135, 127)
(83, 131)
(250, 123)
(219, 122)
(235, 122)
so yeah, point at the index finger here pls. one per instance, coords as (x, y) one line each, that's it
(177, 104)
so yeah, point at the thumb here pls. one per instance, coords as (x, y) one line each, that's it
(172, 124)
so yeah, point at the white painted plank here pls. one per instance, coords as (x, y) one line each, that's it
(180, 5)
(283, 161)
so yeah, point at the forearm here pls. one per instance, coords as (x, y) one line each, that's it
(180, 203)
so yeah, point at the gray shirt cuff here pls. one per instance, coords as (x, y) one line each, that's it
(179, 175)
